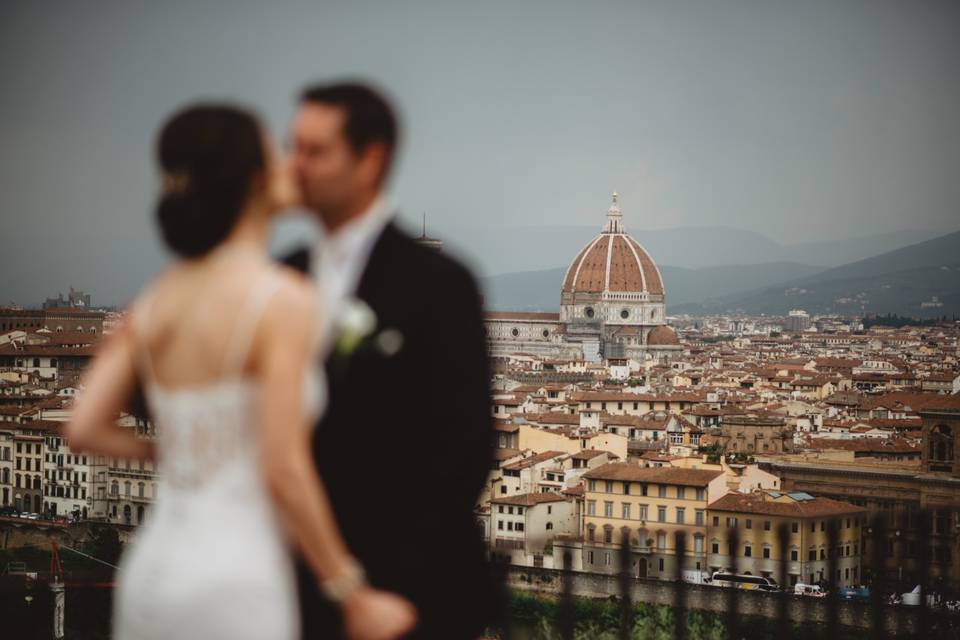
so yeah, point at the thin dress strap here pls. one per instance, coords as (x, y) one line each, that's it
(245, 327)
(141, 312)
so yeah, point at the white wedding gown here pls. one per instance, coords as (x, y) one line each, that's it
(211, 561)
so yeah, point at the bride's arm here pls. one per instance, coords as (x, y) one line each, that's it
(108, 386)
(282, 353)
(283, 349)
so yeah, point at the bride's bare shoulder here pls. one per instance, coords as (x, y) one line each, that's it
(296, 296)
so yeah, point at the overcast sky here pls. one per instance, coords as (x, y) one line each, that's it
(802, 120)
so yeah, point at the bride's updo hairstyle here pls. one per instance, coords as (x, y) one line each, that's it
(209, 157)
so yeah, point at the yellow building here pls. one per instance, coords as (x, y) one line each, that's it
(651, 505)
(757, 517)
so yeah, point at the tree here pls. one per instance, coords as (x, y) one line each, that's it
(104, 543)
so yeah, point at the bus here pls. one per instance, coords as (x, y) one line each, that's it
(742, 581)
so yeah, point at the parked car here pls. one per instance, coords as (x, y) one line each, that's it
(855, 594)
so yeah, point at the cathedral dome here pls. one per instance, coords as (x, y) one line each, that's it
(662, 336)
(613, 262)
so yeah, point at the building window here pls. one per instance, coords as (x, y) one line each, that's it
(591, 485)
(625, 511)
(747, 551)
(698, 517)
(591, 507)
(794, 527)
(794, 555)
(766, 552)
(766, 525)
(643, 512)
(749, 524)
(661, 491)
(608, 486)
(714, 547)
(681, 493)
(608, 509)
(661, 514)
(680, 515)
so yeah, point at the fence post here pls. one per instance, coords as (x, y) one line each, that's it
(626, 606)
(783, 613)
(680, 589)
(733, 613)
(924, 530)
(877, 533)
(566, 617)
(833, 580)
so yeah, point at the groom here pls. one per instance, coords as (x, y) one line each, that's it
(404, 446)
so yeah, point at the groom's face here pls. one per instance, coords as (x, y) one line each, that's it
(327, 170)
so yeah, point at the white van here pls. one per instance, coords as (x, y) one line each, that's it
(809, 590)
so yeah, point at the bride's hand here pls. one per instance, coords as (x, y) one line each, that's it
(371, 614)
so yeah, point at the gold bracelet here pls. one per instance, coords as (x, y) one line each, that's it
(340, 588)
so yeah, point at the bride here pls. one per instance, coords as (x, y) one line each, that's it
(225, 345)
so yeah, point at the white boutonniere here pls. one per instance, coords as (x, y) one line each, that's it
(355, 331)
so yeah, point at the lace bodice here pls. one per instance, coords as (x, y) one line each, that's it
(206, 430)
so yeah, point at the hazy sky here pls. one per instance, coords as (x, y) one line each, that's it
(802, 120)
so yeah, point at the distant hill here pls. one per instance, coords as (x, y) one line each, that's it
(494, 251)
(540, 290)
(898, 281)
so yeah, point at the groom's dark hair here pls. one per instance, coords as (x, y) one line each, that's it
(369, 117)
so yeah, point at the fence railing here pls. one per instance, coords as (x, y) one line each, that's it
(908, 584)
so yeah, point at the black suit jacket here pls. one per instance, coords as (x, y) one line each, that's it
(405, 444)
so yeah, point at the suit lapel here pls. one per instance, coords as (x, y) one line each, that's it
(370, 290)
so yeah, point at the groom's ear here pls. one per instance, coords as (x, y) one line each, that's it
(373, 163)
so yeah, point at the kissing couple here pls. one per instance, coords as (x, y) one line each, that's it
(322, 423)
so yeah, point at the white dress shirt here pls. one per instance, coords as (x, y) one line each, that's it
(340, 258)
